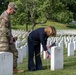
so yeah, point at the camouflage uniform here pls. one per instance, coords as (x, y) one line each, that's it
(5, 34)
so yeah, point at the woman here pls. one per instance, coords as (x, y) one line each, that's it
(36, 37)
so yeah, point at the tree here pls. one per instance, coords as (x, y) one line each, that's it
(34, 12)
(32, 7)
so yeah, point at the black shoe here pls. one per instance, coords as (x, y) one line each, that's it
(33, 69)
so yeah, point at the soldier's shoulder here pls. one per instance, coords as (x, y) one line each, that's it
(4, 16)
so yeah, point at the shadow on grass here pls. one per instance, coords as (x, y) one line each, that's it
(71, 26)
(70, 64)
(14, 28)
(46, 67)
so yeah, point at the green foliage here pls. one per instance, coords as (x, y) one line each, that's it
(39, 10)
(20, 17)
(64, 17)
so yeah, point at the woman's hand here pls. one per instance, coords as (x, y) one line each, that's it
(48, 47)
(48, 54)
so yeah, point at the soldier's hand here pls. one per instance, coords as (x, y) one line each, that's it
(11, 40)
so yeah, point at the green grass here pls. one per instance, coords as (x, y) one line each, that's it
(69, 66)
(69, 62)
(48, 23)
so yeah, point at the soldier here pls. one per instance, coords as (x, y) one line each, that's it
(6, 39)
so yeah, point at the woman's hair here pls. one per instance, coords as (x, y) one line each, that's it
(48, 29)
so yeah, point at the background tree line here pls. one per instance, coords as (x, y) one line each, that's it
(32, 12)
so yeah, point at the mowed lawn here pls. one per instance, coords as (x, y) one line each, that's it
(69, 62)
(57, 25)
(69, 66)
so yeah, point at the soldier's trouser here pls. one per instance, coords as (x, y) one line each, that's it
(13, 50)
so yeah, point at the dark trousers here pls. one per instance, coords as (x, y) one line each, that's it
(33, 50)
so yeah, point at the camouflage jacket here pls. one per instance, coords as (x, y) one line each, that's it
(5, 30)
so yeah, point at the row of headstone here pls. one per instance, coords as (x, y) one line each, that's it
(66, 32)
(20, 43)
(60, 42)
(19, 33)
(59, 32)
(68, 42)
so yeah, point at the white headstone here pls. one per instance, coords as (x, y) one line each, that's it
(74, 45)
(70, 49)
(56, 58)
(18, 43)
(44, 55)
(6, 63)
(41, 49)
(60, 44)
(24, 51)
(20, 56)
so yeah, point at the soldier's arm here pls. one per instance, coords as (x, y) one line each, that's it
(4, 26)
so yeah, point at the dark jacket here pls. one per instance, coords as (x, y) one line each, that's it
(38, 36)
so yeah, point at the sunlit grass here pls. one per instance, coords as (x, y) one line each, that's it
(68, 69)
(57, 25)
